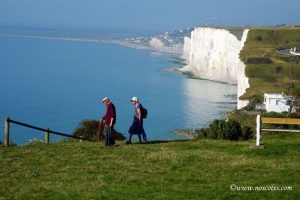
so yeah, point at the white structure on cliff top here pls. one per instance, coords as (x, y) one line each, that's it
(275, 102)
(214, 54)
(294, 51)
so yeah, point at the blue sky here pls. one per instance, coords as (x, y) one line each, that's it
(147, 15)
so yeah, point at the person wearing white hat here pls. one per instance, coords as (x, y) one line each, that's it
(137, 124)
(110, 120)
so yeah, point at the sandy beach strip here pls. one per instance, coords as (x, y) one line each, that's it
(112, 41)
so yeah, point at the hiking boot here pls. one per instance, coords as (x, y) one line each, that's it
(127, 142)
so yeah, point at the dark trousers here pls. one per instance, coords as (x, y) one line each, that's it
(108, 138)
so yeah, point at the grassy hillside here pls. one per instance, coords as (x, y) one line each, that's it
(188, 169)
(283, 69)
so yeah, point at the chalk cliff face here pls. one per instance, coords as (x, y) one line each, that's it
(214, 54)
(165, 45)
(156, 43)
(186, 48)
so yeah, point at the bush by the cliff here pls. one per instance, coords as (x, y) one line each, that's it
(259, 61)
(230, 130)
(252, 103)
(88, 129)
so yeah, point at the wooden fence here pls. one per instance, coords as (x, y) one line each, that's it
(265, 120)
(47, 132)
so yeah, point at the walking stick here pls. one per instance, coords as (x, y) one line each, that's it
(99, 128)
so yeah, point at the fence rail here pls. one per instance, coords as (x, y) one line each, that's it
(47, 131)
(264, 120)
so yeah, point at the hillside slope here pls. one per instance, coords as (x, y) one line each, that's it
(277, 75)
(248, 57)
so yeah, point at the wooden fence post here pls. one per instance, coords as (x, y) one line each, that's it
(6, 132)
(46, 140)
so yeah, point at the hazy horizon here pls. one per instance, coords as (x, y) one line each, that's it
(146, 16)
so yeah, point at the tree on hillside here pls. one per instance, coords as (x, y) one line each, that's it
(292, 94)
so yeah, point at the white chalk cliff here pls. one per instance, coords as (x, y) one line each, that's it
(156, 43)
(214, 54)
(165, 45)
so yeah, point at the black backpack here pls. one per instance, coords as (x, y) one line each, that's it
(144, 112)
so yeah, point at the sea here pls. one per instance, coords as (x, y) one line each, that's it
(56, 84)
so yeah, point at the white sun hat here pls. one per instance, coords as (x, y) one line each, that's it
(105, 99)
(134, 99)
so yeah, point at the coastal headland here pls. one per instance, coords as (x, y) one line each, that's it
(216, 53)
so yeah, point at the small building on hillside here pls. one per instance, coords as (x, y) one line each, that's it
(275, 102)
(295, 51)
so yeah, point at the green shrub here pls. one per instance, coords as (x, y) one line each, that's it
(259, 61)
(274, 115)
(202, 134)
(89, 129)
(232, 130)
(252, 103)
(246, 133)
(213, 130)
(222, 130)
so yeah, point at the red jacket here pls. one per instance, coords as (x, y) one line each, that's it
(110, 113)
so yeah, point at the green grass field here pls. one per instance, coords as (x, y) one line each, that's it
(186, 169)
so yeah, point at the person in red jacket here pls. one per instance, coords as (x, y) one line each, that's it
(110, 119)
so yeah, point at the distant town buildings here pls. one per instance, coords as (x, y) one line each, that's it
(173, 40)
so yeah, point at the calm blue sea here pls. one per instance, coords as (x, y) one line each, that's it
(56, 84)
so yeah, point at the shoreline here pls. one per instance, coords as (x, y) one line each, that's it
(147, 48)
(190, 74)
(110, 41)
